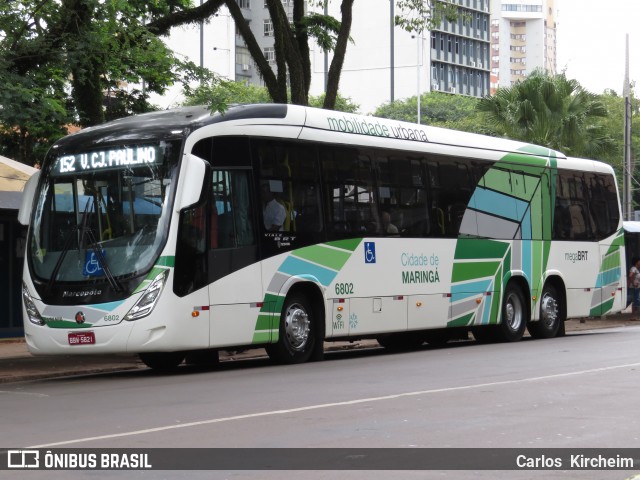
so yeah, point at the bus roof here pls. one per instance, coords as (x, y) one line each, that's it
(313, 123)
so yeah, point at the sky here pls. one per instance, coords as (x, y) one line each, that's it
(591, 42)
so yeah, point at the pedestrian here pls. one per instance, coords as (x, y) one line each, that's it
(634, 283)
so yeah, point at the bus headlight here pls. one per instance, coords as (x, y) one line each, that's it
(145, 305)
(30, 307)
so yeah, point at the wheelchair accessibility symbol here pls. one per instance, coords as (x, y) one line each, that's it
(369, 252)
(92, 267)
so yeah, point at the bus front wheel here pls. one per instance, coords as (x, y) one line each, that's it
(550, 317)
(297, 333)
(514, 315)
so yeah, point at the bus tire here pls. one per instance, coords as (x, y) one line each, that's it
(298, 333)
(162, 361)
(514, 314)
(550, 315)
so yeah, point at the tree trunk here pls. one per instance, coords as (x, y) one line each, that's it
(277, 93)
(333, 78)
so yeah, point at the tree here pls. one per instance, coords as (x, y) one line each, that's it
(89, 48)
(552, 111)
(292, 78)
(439, 109)
(219, 93)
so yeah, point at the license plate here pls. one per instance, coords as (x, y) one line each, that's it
(82, 338)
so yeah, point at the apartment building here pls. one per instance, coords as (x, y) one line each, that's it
(523, 39)
(459, 53)
(452, 58)
(493, 43)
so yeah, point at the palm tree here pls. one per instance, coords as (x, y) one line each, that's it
(549, 110)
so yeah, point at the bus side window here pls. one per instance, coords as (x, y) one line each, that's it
(572, 217)
(289, 187)
(402, 197)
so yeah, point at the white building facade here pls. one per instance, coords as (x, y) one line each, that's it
(523, 39)
(454, 58)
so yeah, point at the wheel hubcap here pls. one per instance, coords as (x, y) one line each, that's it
(549, 310)
(296, 326)
(513, 311)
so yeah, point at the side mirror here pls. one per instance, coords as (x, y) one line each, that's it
(193, 177)
(26, 204)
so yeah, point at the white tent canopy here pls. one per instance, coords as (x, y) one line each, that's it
(631, 227)
(13, 177)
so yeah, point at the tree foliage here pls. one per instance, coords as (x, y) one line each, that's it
(438, 109)
(220, 93)
(59, 57)
(550, 110)
(421, 15)
(291, 78)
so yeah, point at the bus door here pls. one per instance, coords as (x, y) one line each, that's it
(235, 285)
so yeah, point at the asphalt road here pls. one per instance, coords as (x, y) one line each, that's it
(580, 391)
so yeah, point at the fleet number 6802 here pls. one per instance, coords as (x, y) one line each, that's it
(344, 288)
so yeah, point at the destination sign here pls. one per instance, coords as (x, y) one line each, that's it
(107, 159)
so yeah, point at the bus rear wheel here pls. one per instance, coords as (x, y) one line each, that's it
(297, 333)
(514, 315)
(550, 317)
(162, 361)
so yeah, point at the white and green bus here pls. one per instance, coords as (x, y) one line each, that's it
(179, 233)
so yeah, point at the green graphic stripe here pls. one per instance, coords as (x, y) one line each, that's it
(473, 271)
(611, 260)
(169, 261)
(322, 255)
(332, 255)
(67, 324)
(349, 244)
(471, 249)
(617, 242)
(264, 322)
(462, 321)
(155, 271)
(262, 337)
(601, 309)
(495, 299)
(537, 150)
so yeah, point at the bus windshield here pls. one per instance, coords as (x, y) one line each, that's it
(102, 213)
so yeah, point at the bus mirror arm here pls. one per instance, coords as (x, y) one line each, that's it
(191, 181)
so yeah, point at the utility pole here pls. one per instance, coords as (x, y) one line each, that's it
(392, 22)
(628, 162)
(326, 53)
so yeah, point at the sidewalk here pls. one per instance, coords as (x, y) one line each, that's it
(17, 364)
